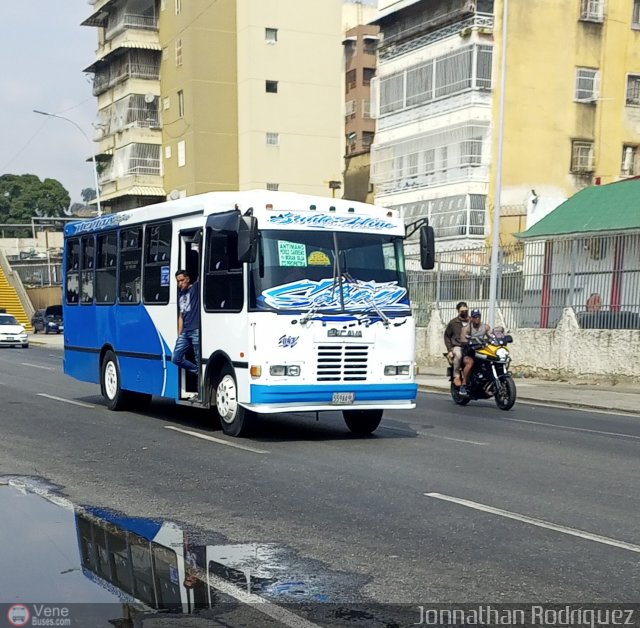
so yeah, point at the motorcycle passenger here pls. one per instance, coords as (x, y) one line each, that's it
(455, 337)
(477, 333)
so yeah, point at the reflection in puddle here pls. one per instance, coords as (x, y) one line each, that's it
(143, 566)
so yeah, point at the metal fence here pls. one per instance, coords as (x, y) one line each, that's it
(39, 274)
(598, 276)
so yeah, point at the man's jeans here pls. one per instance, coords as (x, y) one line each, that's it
(185, 340)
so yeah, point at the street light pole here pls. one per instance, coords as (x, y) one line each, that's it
(493, 282)
(93, 157)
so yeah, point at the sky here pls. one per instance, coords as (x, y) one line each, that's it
(44, 49)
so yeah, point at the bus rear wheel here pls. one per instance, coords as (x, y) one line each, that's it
(234, 419)
(110, 383)
(362, 422)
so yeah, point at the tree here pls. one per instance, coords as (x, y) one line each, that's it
(88, 194)
(25, 196)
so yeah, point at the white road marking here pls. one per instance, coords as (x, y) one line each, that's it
(457, 440)
(541, 523)
(575, 429)
(75, 403)
(261, 604)
(38, 366)
(216, 440)
(430, 435)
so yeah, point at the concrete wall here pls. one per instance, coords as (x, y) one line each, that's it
(566, 352)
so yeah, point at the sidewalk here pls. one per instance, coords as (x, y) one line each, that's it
(577, 395)
(572, 394)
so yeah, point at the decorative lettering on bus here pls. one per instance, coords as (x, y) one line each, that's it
(332, 222)
(349, 333)
(97, 224)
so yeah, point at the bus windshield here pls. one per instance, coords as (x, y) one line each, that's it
(328, 271)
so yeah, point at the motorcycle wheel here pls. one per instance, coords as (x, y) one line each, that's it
(457, 397)
(505, 395)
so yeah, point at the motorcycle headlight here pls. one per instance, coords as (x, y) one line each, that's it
(502, 353)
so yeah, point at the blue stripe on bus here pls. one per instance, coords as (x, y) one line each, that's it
(324, 393)
(132, 333)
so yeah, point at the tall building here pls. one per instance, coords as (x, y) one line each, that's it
(360, 44)
(571, 115)
(202, 95)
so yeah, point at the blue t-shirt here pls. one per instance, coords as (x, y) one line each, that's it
(189, 306)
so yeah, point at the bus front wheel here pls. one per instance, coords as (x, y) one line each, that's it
(111, 384)
(362, 421)
(234, 419)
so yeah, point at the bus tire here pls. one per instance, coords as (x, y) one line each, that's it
(110, 383)
(234, 419)
(362, 422)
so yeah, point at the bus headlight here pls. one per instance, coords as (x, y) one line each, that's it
(284, 370)
(398, 369)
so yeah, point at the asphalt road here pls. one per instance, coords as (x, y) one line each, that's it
(442, 504)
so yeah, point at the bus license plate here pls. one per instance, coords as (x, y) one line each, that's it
(343, 397)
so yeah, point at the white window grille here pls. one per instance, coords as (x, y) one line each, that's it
(471, 152)
(182, 153)
(271, 35)
(581, 157)
(633, 89)
(592, 10)
(587, 84)
(178, 52)
(366, 108)
(629, 167)
(273, 139)
(350, 108)
(273, 187)
(635, 19)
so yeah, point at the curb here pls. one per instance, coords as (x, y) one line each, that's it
(549, 404)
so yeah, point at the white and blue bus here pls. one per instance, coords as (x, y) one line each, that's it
(304, 305)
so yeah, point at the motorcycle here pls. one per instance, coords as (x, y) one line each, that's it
(490, 376)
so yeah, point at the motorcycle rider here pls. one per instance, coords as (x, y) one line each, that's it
(476, 333)
(455, 338)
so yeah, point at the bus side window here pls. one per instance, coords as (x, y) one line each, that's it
(86, 269)
(157, 276)
(223, 286)
(106, 245)
(130, 265)
(72, 279)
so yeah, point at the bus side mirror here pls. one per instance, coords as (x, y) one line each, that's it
(427, 247)
(247, 239)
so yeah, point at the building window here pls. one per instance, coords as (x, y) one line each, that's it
(182, 154)
(367, 75)
(350, 80)
(587, 84)
(180, 103)
(367, 139)
(629, 166)
(350, 109)
(471, 152)
(366, 108)
(633, 89)
(370, 45)
(273, 139)
(273, 187)
(178, 52)
(178, 7)
(352, 139)
(271, 87)
(167, 152)
(271, 35)
(635, 19)
(592, 10)
(581, 157)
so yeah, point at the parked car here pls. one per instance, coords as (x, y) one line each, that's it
(48, 320)
(12, 333)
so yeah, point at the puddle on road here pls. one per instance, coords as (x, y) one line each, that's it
(109, 569)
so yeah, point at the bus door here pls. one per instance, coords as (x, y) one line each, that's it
(191, 261)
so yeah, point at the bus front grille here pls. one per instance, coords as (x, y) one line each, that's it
(338, 363)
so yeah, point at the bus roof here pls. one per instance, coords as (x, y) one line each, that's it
(272, 209)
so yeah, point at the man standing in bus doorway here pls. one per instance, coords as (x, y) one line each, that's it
(188, 324)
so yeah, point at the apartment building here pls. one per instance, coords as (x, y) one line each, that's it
(197, 96)
(360, 44)
(571, 115)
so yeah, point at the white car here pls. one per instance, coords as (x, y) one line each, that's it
(12, 333)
